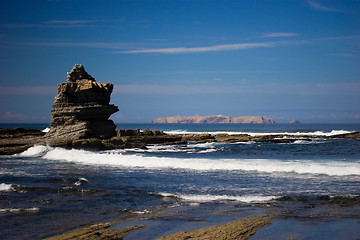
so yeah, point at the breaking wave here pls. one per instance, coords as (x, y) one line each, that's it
(16, 210)
(34, 151)
(5, 187)
(45, 130)
(209, 197)
(138, 160)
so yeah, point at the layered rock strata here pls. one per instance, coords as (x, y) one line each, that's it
(81, 109)
(214, 119)
(19, 139)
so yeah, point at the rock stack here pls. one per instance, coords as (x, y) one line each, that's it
(81, 109)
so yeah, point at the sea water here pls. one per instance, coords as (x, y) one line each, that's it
(47, 190)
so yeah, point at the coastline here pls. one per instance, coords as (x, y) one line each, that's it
(18, 140)
(294, 215)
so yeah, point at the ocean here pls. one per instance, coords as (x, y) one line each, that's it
(313, 187)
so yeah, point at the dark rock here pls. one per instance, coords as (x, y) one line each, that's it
(128, 132)
(226, 138)
(77, 73)
(199, 138)
(81, 109)
(148, 132)
(18, 140)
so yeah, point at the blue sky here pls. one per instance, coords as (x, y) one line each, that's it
(281, 59)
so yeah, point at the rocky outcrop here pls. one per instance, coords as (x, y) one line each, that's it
(18, 140)
(214, 119)
(81, 109)
(241, 230)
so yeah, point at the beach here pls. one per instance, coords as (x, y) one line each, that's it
(308, 189)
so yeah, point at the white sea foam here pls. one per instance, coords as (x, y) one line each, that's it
(208, 150)
(145, 211)
(12, 210)
(209, 198)
(81, 181)
(45, 130)
(162, 148)
(205, 145)
(34, 151)
(315, 133)
(5, 187)
(307, 142)
(332, 168)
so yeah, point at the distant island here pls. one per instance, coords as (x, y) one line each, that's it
(213, 119)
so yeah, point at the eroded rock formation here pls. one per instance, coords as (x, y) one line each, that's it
(81, 109)
(214, 119)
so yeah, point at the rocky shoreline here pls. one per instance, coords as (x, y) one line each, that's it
(17, 140)
(233, 222)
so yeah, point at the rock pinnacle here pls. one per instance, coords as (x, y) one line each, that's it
(78, 73)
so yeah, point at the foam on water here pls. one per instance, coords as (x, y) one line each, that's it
(81, 181)
(13, 210)
(5, 187)
(163, 148)
(209, 198)
(205, 145)
(34, 151)
(45, 130)
(113, 158)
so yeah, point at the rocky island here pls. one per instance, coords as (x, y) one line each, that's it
(214, 119)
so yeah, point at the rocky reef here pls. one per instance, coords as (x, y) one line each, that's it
(214, 119)
(81, 109)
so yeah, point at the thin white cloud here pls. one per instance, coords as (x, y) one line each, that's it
(341, 37)
(28, 90)
(319, 7)
(279, 34)
(215, 48)
(123, 46)
(69, 21)
(166, 90)
(53, 24)
(8, 116)
(243, 87)
(81, 44)
(20, 25)
(347, 55)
